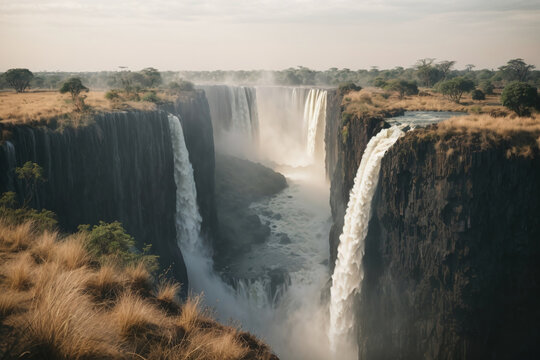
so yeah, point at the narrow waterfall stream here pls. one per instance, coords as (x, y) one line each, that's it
(348, 273)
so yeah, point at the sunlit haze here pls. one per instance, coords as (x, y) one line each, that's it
(79, 35)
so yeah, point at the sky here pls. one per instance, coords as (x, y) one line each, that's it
(91, 35)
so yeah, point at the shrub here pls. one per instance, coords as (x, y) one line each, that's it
(345, 88)
(487, 87)
(181, 85)
(478, 94)
(520, 97)
(112, 95)
(403, 87)
(151, 97)
(109, 242)
(455, 88)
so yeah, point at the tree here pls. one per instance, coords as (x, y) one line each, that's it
(487, 87)
(345, 88)
(31, 174)
(455, 88)
(520, 97)
(403, 87)
(151, 76)
(478, 94)
(445, 67)
(516, 70)
(18, 79)
(469, 67)
(75, 86)
(426, 72)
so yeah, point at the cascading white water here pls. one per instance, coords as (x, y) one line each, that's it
(188, 219)
(349, 272)
(315, 120)
(241, 114)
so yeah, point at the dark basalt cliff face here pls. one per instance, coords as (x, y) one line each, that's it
(194, 113)
(353, 135)
(120, 167)
(451, 269)
(451, 258)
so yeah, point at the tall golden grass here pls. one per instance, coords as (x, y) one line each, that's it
(57, 303)
(41, 106)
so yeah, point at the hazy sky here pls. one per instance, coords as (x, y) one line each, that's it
(264, 34)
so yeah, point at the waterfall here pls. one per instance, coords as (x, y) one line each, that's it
(348, 273)
(188, 220)
(315, 121)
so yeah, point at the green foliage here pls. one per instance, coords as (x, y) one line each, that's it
(109, 242)
(31, 174)
(347, 87)
(151, 97)
(151, 77)
(478, 94)
(455, 88)
(403, 87)
(516, 70)
(487, 87)
(13, 214)
(379, 82)
(74, 86)
(112, 95)
(18, 79)
(520, 97)
(181, 85)
(426, 72)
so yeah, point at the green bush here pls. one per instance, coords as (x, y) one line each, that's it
(347, 87)
(112, 95)
(455, 88)
(403, 87)
(487, 87)
(13, 214)
(109, 242)
(478, 94)
(151, 97)
(181, 85)
(520, 97)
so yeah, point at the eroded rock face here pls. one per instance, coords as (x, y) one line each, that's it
(452, 253)
(119, 168)
(450, 264)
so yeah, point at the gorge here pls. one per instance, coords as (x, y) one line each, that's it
(329, 235)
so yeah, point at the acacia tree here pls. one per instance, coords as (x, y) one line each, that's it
(520, 97)
(403, 87)
(426, 72)
(455, 88)
(18, 79)
(74, 86)
(445, 67)
(152, 77)
(516, 70)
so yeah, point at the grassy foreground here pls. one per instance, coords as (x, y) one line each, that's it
(57, 302)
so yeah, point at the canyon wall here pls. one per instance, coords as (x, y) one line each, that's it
(450, 262)
(119, 167)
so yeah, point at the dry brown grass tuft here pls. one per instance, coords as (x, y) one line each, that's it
(16, 237)
(43, 247)
(71, 253)
(135, 317)
(61, 324)
(12, 301)
(18, 272)
(105, 284)
(191, 313)
(167, 291)
(138, 279)
(214, 345)
(501, 125)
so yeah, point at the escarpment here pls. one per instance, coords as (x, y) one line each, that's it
(119, 167)
(450, 266)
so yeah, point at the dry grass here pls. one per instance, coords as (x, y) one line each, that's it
(372, 101)
(52, 297)
(42, 106)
